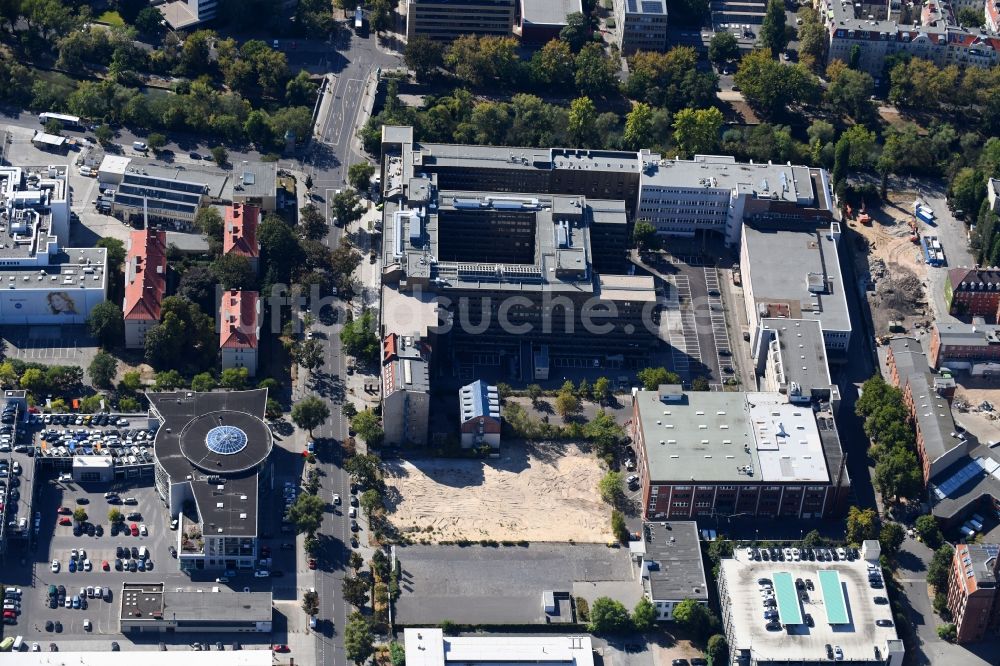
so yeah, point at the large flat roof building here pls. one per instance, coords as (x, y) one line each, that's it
(721, 453)
(541, 20)
(448, 19)
(42, 280)
(791, 356)
(430, 647)
(806, 284)
(149, 607)
(841, 605)
(210, 451)
(715, 193)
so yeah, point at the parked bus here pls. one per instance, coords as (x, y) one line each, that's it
(359, 19)
(68, 122)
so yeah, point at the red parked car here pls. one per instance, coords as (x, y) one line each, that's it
(105, 565)
(65, 521)
(312, 562)
(281, 648)
(135, 530)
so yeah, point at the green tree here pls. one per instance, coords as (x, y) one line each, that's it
(364, 469)
(306, 513)
(310, 602)
(639, 127)
(849, 91)
(115, 516)
(841, 162)
(360, 175)
(602, 390)
(717, 650)
(723, 48)
(272, 409)
(115, 251)
(80, 514)
(928, 531)
(300, 89)
(346, 207)
(358, 640)
(618, 527)
(168, 380)
(233, 271)
(103, 369)
(308, 354)
(534, 392)
(359, 339)
(898, 474)
(604, 432)
(156, 141)
(862, 146)
(644, 235)
(355, 590)
(367, 425)
(813, 38)
(567, 404)
(581, 126)
(652, 378)
(480, 60)
(235, 379)
(576, 32)
(947, 632)
(53, 127)
(32, 380)
(696, 131)
(131, 381)
(220, 155)
(424, 56)
(967, 189)
(310, 413)
(612, 488)
(772, 35)
(972, 17)
(693, 616)
(203, 382)
(553, 64)
(644, 615)
(312, 223)
(940, 567)
(371, 501)
(209, 221)
(107, 324)
(891, 538)
(862, 524)
(185, 337)
(608, 616)
(596, 73)
(148, 20)
(771, 87)
(104, 134)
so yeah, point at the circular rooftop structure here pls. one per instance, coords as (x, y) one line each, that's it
(225, 442)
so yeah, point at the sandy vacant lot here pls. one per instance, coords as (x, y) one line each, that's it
(534, 493)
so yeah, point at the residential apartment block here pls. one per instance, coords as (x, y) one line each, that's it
(806, 284)
(708, 454)
(44, 281)
(239, 236)
(960, 346)
(713, 193)
(405, 390)
(973, 597)
(448, 19)
(939, 443)
(479, 422)
(145, 284)
(670, 565)
(973, 292)
(239, 329)
(877, 30)
(641, 25)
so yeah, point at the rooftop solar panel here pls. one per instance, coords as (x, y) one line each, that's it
(971, 470)
(833, 597)
(789, 611)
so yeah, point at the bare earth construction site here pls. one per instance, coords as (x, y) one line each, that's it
(531, 493)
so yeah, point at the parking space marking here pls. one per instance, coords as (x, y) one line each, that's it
(720, 330)
(677, 325)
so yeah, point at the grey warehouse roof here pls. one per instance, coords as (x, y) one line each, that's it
(673, 561)
(803, 354)
(549, 12)
(805, 252)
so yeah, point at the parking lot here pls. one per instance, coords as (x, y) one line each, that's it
(53, 345)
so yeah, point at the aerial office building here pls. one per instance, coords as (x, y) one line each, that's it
(641, 25)
(713, 193)
(211, 452)
(720, 455)
(448, 19)
(42, 280)
(791, 357)
(523, 258)
(806, 284)
(405, 390)
(671, 566)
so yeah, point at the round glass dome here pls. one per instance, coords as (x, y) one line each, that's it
(226, 440)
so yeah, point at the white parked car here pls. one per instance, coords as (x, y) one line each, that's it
(142, 529)
(336, 498)
(87, 566)
(55, 566)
